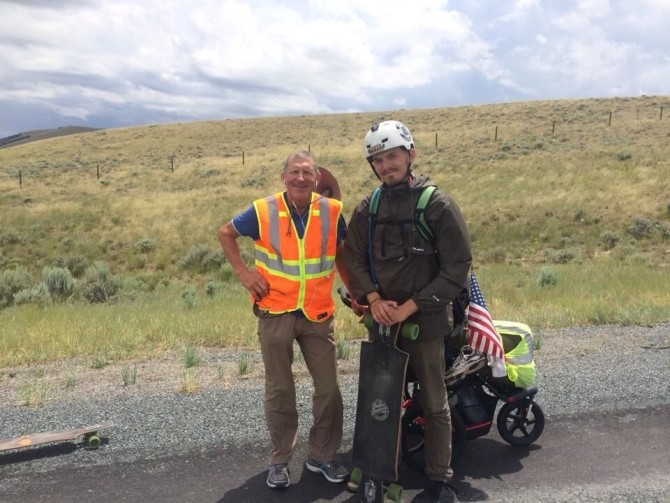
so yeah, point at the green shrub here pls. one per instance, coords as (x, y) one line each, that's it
(36, 294)
(202, 258)
(129, 374)
(99, 362)
(191, 357)
(342, 349)
(562, 256)
(226, 273)
(145, 245)
(212, 287)
(645, 228)
(640, 228)
(188, 298)
(494, 256)
(609, 239)
(76, 265)
(12, 281)
(59, 281)
(547, 277)
(244, 364)
(98, 284)
(663, 229)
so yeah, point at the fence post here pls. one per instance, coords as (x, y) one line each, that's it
(97, 169)
(243, 157)
(20, 180)
(309, 147)
(496, 136)
(553, 127)
(609, 122)
(661, 117)
(172, 163)
(435, 140)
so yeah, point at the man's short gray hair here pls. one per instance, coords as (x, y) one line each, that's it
(301, 154)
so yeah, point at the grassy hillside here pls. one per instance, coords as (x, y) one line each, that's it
(570, 194)
(524, 193)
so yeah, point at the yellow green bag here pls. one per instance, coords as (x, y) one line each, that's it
(518, 344)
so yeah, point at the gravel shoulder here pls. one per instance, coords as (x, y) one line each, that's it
(580, 369)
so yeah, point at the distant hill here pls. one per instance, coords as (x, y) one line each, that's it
(42, 134)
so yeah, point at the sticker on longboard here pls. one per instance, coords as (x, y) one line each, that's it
(380, 410)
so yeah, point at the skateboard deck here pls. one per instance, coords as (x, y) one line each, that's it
(89, 433)
(376, 445)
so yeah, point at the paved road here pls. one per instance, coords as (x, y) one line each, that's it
(592, 457)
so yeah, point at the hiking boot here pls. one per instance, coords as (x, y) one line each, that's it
(278, 476)
(442, 492)
(467, 362)
(332, 470)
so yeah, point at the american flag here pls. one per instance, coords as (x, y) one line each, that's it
(482, 334)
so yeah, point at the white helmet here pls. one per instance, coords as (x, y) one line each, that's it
(385, 136)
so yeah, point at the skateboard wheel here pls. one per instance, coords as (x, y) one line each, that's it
(394, 493)
(355, 478)
(410, 331)
(93, 442)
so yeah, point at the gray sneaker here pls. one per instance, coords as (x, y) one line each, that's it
(467, 362)
(332, 470)
(278, 476)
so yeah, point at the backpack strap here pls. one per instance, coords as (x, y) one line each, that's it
(374, 203)
(424, 229)
(372, 216)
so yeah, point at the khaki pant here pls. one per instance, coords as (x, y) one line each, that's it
(426, 357)
(317, 343)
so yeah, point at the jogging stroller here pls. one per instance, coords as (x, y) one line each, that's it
(474, 394)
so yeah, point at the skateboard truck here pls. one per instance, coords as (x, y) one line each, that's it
(408, 331)
(374, 489)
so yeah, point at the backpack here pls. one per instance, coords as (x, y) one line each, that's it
(419, 217)
(460, 303)
(419, 212)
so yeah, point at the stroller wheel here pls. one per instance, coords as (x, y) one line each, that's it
(520, 423)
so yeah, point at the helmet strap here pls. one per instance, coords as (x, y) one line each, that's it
(374, 170)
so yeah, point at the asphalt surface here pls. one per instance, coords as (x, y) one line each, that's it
(604, 391)
(600, 456)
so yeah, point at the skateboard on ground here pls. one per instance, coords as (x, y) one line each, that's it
(376, 446)
(89, 434)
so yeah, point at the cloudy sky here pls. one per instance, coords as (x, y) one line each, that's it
(111, 63)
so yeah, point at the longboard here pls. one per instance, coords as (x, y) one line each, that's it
(376, 445)
(89, 434)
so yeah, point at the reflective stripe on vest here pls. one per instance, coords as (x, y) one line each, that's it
(300, 271)
(523, 352)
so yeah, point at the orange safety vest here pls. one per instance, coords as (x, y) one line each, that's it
(299, 271)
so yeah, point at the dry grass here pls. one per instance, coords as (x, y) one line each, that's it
(528, 183)
(540, 183)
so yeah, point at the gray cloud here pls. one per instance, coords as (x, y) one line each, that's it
(110, 63)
